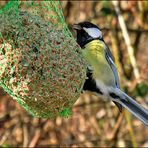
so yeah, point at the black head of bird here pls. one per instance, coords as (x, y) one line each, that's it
(87, 32)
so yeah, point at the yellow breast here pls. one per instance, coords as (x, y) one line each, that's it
(94, 53)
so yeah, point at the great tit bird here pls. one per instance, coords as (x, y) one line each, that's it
(101, 75)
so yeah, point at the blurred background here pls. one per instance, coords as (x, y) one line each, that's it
(93, 122)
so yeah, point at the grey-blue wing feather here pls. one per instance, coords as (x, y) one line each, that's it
(110, 61)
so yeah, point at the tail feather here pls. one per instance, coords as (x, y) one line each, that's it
(130, 104)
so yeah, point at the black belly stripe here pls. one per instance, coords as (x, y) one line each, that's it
(90, 84)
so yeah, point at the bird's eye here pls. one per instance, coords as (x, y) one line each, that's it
(93, 32)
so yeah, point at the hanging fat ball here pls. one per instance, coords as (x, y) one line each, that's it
(40, 66)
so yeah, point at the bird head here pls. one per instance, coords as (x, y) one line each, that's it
(87, 32)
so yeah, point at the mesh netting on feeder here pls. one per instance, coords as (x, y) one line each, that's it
(40, 63)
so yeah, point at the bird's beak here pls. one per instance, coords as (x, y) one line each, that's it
(77, 27)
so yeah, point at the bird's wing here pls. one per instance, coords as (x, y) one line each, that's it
(110, 60)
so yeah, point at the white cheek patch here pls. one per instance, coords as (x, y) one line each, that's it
(93, 32)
